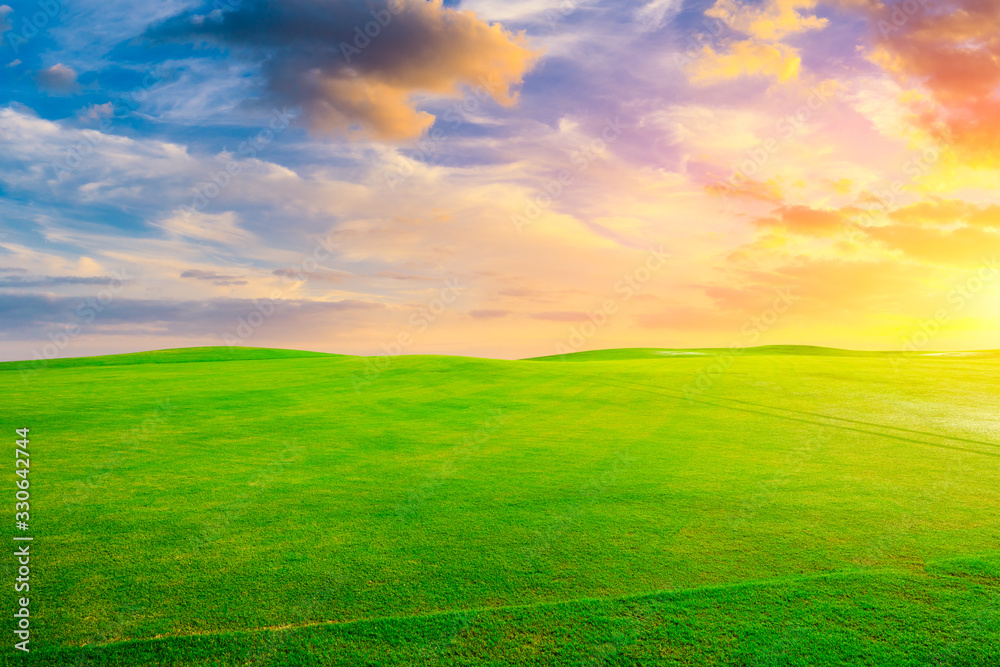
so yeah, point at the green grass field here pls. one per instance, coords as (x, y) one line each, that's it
(784, 506)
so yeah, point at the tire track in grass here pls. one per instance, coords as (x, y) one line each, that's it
(465, 617)
(663, 391)
(852, 421)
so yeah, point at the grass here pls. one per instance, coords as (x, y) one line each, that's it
(269, 507)
(870, 618)
(632, 353)
(174, 356)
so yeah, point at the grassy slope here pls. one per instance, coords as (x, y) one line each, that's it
(632, 353)
(216, 497)
(177, 355)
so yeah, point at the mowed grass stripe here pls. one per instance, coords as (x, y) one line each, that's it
(948, 615)
(985, 570)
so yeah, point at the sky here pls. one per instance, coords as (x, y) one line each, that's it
(498, 178)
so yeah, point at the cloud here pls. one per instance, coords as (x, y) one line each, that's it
(359, 68)
(877, 285)
(770, 20)
(218, 228)
(319, 275)
(933, 212)
(52, 281)
(5, 11)
(395, 275)
(26, 315)
(946, 232)
(951, 50)
(988, 216)
(98, 111)
(205, 275)
(750, 189)
(805, 220)
(547, 13)
(937, 211)
(561, 316)
(58, 79)
(760, 52)
(488, 314)
(215, 278)
(965, 246)
(745, 58)
(657, 13)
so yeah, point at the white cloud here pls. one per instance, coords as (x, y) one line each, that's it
(657, 13)
(219, 228)
(5, 11)
(525, 11)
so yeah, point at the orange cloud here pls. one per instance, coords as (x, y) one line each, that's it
(805, 220)
(950, 48)
(768, 191)
(934, 212)
(986, 217)
(946, 212)
(945, 232)
(965, 246)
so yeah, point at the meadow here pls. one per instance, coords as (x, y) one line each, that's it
(782, 506)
